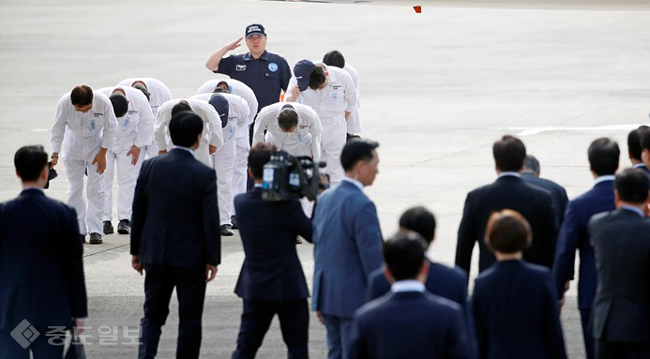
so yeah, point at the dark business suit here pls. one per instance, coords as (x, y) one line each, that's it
(507, 192)
(574, 236)
(621, 312)
(175, 233)
(558, 193)
(411, 325)
(515, 313)
(41, 271)
(271, 280)
(642, 167)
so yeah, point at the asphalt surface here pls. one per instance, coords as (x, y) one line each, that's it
(438, 88)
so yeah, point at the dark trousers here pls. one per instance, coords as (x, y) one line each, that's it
(590, 344)
(40, 348)
(622, 350)
(255, 322)
(159, 284)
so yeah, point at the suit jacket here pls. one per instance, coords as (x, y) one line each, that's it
(621, 310)
(515, 313)
(41, 265)
(347, 248)
(175, 220)
(271, 269)
(573, 235)
(558, 193)
(409, 325)
(512, 193)
(642, 167)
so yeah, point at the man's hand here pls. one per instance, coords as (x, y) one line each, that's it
(53, 162)
(162, 152)
(210, 272)
(135, 152)
(136, 264)
(100, 160)
(235, 44)
(212, 149)
(566, 286)
(295, 92)
(78, 326)
(319, 315)
(560, 304)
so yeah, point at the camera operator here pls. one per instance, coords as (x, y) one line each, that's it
(271, 280)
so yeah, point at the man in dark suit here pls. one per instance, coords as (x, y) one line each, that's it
(408, 322)
(41, 267)
(530, 175)
(644, 135)
(603, 156)
(635, 147)
(175, 237)
(508, 191)
(271, 280)
(347, 245)
(621, 314)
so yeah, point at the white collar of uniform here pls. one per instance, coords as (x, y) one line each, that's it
(354, 182)
(638, 165)
(184, 149)
(604, 178)
(408, 285)
(510, 173)
(633, 209)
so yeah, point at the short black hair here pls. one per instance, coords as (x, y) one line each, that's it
(334, 58)
(144, 91)
(181, 106)
(635, 141)
(287, 118)
(603, 156)
(419, 220)
(120, 104)
(29, 162)
(359, 149)
(81, 95)
(632, 185)
(184, 128)
(531, 163)
(509, 154)
(317, 78)
(507, 231)
(258, 156)
(404, 255)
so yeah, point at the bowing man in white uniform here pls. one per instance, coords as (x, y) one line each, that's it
(331, 93)
(84, 128)
(135, 122)
(242, 141)
(212, 138)
(335, 58)
(157, 93)
(233, 111)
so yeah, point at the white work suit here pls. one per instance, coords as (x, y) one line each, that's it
(211, 134)
(80, 136)
(304, 141)
(159, 93)
(223, 159)
(135, 128)
(242, 140)
(331, 103)
(354, 120)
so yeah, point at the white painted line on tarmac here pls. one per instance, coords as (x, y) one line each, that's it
(529, 131)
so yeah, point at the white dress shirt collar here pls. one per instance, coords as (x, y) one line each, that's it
(184, 149)
(407, 286)
(354, 182)
(633, 209)
(604, 178)
(510, 173)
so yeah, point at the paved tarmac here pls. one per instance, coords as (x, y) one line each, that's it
(438, 88)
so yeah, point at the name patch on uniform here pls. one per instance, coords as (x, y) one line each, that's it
(273, 67)
(303, 126)
(336, 87)
(240, 67)
(132, 112)
(98, 114)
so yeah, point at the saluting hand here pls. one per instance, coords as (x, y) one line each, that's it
(235, 44)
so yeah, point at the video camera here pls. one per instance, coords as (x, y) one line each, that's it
(287, 177)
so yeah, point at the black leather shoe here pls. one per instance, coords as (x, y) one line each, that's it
(226, 230)
(108, 227)
(82, 237)
(95, 238)
(124, 227)
(233, 219)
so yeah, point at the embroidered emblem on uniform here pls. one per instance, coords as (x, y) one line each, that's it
(240, 68)
(273, 67)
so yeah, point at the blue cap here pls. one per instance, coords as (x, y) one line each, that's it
(253, 29)
(220, 104)
(302, 71)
